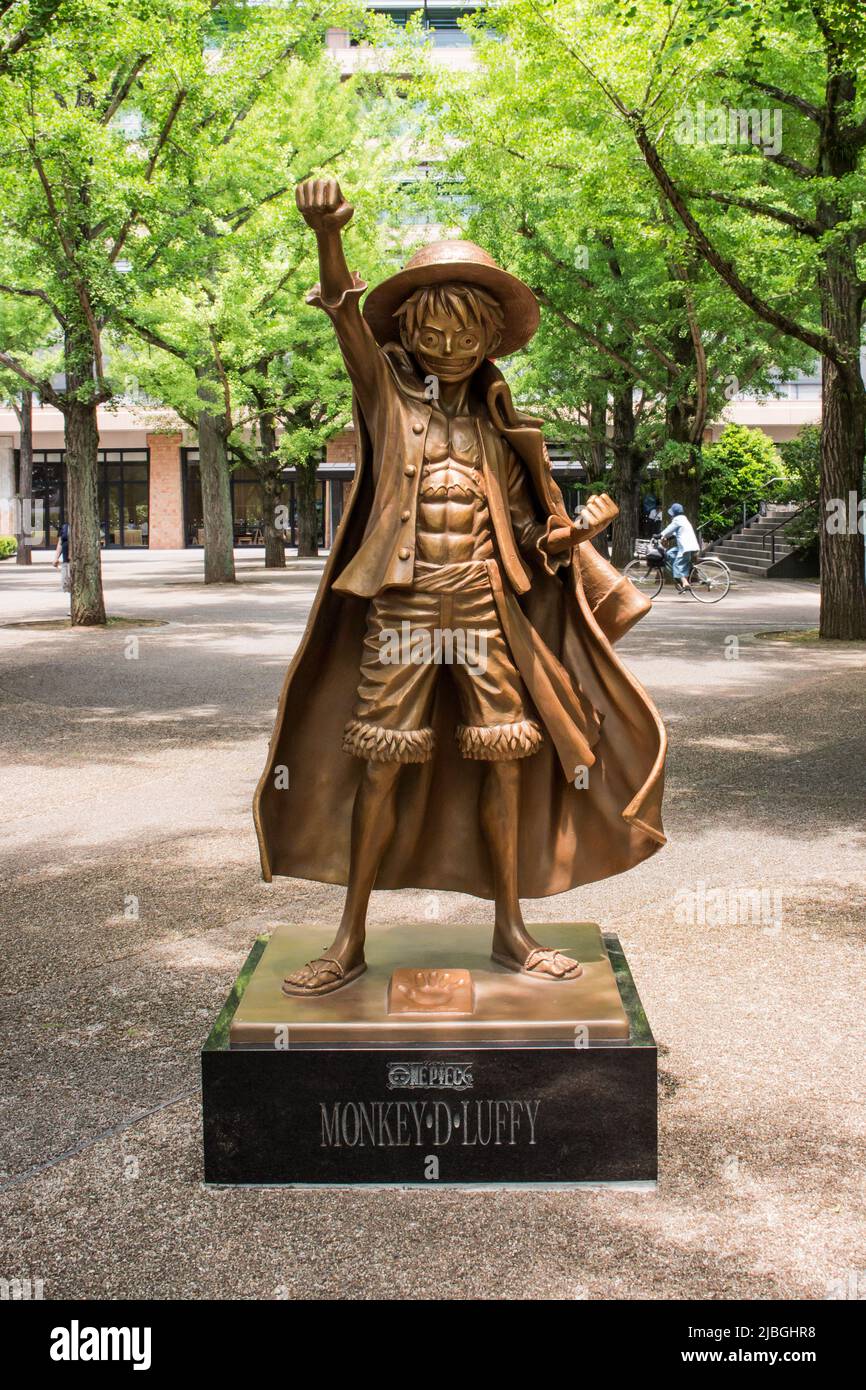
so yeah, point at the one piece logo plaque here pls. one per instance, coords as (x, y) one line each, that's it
(432, 1076)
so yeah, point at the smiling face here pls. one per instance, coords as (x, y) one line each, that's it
(450, 330)
(446, 348)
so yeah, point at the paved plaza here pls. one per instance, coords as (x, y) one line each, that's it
(131, 896)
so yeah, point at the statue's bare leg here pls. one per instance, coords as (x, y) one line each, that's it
(374, 819)
(512, 943)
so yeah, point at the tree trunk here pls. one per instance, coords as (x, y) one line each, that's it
(628, 464)
(843, 431)
(308, 521)
(24, 412)
(216, 498)
(681, 482)
(596, 454)
(628, 461)
(843, 435)
(275, 537)
(87, 604)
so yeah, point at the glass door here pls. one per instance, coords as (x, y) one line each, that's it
(123, 497)
(134, 508)
(110, 505)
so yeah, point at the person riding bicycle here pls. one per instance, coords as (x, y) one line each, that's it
(686, 546)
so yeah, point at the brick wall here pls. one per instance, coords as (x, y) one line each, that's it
(166, 492)
(341, 449)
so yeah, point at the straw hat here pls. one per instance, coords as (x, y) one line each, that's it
(460, 262)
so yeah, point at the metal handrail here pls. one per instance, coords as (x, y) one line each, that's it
(732, 530)
(756, 500)
(771, 532)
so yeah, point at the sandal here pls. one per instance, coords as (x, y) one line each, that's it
(534, 959)
(321, 968)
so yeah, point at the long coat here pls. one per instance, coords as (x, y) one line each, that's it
(590, 798)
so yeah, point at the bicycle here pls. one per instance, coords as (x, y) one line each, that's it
(709, 579)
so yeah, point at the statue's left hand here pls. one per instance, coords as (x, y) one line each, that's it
(598, 513)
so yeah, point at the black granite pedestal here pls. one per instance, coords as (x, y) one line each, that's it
(559, 1105)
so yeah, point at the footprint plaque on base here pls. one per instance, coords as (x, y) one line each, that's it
(434, 991)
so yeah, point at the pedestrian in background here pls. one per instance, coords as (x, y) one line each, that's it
(61, 558)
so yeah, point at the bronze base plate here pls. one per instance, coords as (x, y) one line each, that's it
(507, 1007)
(427, 992)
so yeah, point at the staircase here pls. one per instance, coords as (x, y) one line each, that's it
(744, 550)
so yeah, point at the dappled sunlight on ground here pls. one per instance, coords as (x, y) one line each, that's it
(132, 896)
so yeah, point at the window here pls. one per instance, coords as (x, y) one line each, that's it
(123, 492)
(441, 23)
(248, 505)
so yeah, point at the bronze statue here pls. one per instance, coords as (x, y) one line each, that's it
(536, 762)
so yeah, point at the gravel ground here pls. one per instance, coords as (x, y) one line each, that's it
(131, 897)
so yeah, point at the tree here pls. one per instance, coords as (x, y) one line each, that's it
(301, 399)
(745, 196)
(23, 407)
(107, 133)
(801, 463)
(801, 459)
(639, 344)
(24, 322)
(24, 22)
(742, 467)
(222, 277)
(71, 175)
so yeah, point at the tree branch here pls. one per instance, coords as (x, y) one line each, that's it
(242, 215)
(53, 209)
(37, 294)
(120, 90)
(257, 89)
(272, 293)
(789, 219)
(584, 281)
(28, 33)
(785, 160)
(588, 335)
(44, 388)
(820, 342)
(149, 336)
(161, 139)
(806, 108)
(78, 282)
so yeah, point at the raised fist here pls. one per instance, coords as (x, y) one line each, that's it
(322, 205)
(598, 513)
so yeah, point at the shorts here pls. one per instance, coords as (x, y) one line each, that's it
(447, 619)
